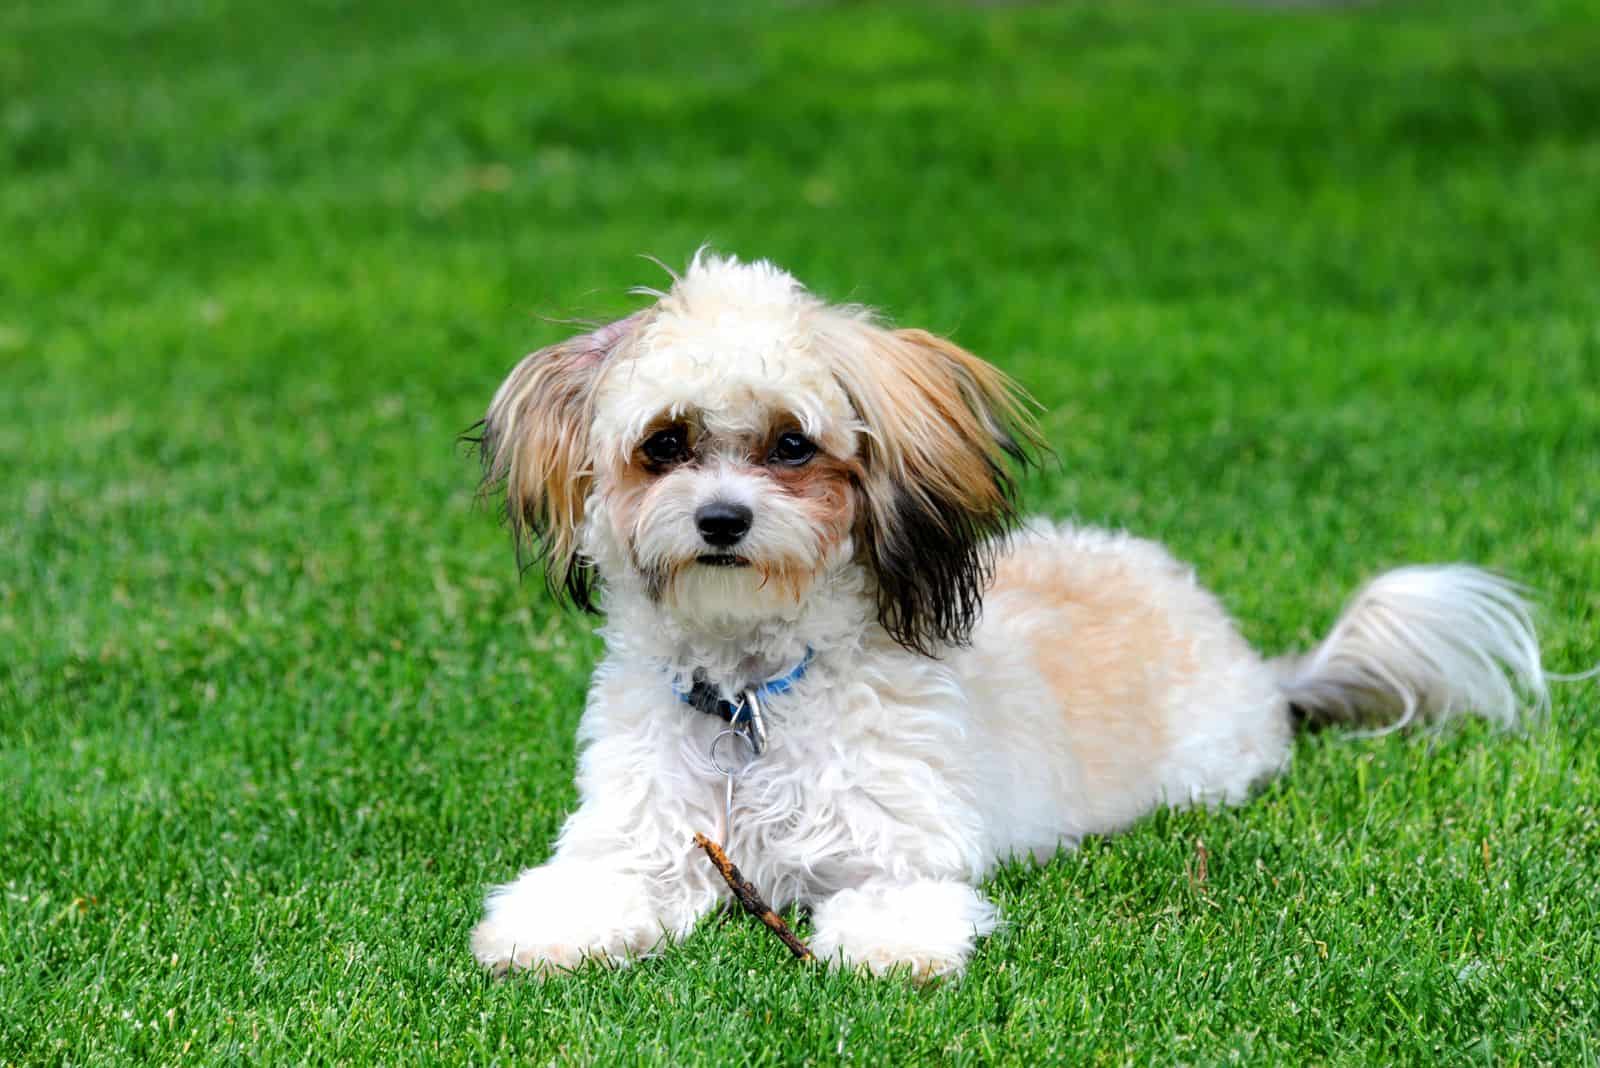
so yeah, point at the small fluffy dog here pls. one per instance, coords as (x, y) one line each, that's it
(787, 507)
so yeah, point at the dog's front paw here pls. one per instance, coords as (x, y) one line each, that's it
(927, 928)
(554, 918)
(500, 947)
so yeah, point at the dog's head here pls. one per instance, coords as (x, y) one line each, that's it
(728, 446)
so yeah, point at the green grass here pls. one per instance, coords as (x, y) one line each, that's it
(1306, 294)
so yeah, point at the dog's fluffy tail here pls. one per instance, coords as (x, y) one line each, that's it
(1422, 644)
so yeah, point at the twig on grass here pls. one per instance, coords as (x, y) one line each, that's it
(746, 893)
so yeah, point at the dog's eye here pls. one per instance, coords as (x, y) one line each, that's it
(667, 446)
(793, 449)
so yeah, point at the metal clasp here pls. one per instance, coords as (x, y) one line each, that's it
(749, 726)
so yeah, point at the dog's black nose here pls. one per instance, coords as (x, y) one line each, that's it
(722, 524)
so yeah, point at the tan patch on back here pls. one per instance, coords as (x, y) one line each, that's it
(1109, 656)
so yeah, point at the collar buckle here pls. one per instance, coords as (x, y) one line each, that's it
(749, 719)
(746, 714)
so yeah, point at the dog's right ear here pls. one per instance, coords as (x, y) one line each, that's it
(535, 442)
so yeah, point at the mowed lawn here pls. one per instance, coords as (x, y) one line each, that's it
(1305, 294)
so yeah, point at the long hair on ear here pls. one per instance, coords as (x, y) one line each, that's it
(535, 442)
(941, 427)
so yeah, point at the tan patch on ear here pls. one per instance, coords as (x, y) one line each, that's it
(940, 426)
(536, 440)
(941, 421)
(989, 413)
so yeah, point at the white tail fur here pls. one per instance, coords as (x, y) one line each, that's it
(1425, 643)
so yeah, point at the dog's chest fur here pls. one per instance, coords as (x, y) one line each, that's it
(858, 775)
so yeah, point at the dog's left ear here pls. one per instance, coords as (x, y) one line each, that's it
(535, 441)
(942, 428)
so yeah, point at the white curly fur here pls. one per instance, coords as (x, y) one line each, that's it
(1100, 681)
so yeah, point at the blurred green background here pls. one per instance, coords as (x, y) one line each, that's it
(1305, 291)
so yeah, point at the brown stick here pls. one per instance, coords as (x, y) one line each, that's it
(750, 899)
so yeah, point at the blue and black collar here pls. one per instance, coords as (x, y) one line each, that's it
(708, 698)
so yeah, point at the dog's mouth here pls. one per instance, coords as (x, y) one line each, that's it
(722, 560)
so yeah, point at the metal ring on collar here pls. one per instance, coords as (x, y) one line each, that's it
(716, 761)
